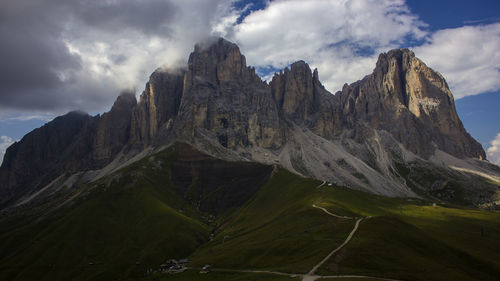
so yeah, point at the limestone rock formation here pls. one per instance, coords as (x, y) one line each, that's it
(412, 102)
(68, 144)
(295, 92)
(159, 103)
(41, 155)
(224, 98)
(388, 133)
(113, 129)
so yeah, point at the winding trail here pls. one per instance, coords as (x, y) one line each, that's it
(305, 277)
(331, 214)
(310, 276)
(358, 276)
(313, 270)
(256, 271)
(323, 183)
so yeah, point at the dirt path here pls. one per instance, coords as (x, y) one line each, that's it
(256, 271)
(313, 270)
(323, 183)
(358, 276)
(306, 277)
(310, 276)
(325, 210)
(331, 214)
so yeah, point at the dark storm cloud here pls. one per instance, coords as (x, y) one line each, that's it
(151, 17)
(38, 71)
(83, 94)
(31, 52)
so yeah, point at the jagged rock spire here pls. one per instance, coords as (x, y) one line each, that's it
(220, 101)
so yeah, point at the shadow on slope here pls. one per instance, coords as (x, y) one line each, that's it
(128, 222)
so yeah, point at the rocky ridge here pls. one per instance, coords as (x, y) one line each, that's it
(387, 134)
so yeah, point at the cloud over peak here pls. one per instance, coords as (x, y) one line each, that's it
(65, 55)
(468, 57)
(341, 38)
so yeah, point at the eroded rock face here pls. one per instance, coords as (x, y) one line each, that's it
(68, 144)
(218, 97)
(158, 104)
(412, 102)
(304, 101)
(42, 155)
(296, 92)
(225, 97)
(113, 129)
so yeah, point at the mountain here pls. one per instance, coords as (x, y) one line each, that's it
(217, 166)
(395, 132)
(246, 220)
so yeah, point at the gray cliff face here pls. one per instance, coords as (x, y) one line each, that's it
(295, 92)
(220, 105)
(113, 130)
(41, 155)
(412, 102)
(304, 101)
(225, 98)
(68, 144)
(158, 104)
(402, 96)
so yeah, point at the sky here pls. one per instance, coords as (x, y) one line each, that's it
(60, 55)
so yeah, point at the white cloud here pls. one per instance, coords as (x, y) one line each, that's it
(5, 142)
(341, 38)
(80, 54)
(26, 117)
(124, 59)
(116, 45)
(494, 150)
(468, 57)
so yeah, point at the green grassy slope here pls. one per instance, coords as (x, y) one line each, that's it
(412, 240)
(128, 222)
(388, 247)
(192, 275)
(167, 205)
(278, 229)
(405, 239)
(117, 231)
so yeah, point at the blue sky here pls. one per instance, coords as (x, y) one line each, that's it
(480, 114)
(79, 57)
(443, 14)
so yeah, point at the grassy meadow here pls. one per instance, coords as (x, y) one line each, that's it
(135, 219)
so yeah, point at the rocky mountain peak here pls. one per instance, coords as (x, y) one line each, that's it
(296, 91)
(407, 78)
(125, 101)
(225, 98)
(158, 104)
(300, 67)
(217, 46)
(423, 91)
(217, 62)
(222, 107)
(316, 76)
(413, 102)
